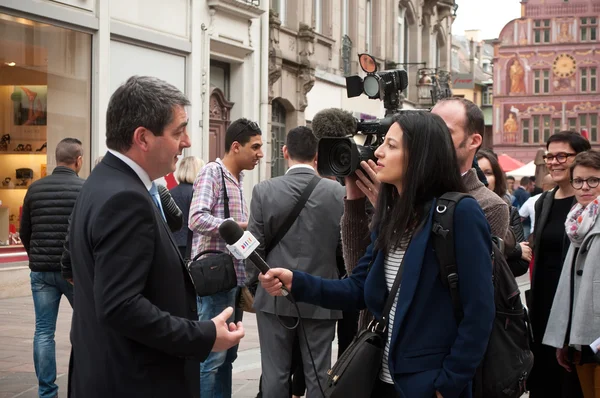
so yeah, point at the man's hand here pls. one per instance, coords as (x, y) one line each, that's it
(243, 225)
(438, 395)
(562, 356)
(70, 280)
(274, 279)
(526, 252)
(227, 335)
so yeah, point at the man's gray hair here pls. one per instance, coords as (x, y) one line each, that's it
(142, 101)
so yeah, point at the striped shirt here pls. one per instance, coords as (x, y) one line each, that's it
(391, 267)
(207, 211)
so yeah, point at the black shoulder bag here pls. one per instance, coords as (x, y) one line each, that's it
(356, 371)
(213, 273)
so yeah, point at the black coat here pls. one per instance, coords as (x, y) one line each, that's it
(134, 330)
(182, 195)
(517, 265)
(45, 219)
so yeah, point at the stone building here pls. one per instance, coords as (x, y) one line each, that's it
(314, 44)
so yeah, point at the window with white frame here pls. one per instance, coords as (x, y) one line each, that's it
(541, 81)
(345, 16)
(536, 129)
(588, 29)
(487, 96)
(369, 26)
(401, 33)
(541, 31)
(589, 122)
(588, 80)
(318, 15)
(280, 7)
(525, 130)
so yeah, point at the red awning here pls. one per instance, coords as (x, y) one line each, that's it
(509, 164)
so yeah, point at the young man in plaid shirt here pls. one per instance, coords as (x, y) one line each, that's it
(243, 151)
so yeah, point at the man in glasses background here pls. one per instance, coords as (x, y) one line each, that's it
(243, 151)
(548, 378)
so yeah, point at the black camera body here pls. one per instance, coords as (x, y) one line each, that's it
(341, 156)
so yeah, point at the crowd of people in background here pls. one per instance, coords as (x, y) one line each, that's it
(123, 245)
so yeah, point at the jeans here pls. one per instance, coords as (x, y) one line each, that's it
(47, 289)
(216, 370)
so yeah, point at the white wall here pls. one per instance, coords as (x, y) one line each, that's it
(170, 16)
(323, 95)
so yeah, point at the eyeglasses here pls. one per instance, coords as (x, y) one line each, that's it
(560, 157)
(591, 182)
(243, 125)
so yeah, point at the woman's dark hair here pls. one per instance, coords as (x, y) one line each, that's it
(430, 170)
(589, 159)
(499, 176)
(578, 142)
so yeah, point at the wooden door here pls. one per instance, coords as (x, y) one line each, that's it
(219, 120)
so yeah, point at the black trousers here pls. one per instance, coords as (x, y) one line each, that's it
(384, 390)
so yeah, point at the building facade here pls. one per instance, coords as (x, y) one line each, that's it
(61, 60)
(314, 44)
(546, 66)
(471, 76)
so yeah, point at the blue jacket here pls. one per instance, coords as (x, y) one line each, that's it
(428, 350)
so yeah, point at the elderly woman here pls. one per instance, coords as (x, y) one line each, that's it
(574, 322)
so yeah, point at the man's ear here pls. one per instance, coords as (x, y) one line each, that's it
(476, 140)
(141, 138)
(285, 152)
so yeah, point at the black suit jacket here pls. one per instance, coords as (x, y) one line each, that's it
(134, 322)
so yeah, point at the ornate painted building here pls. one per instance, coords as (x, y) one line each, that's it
(546, 67)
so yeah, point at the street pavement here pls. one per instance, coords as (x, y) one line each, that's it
(17, 374)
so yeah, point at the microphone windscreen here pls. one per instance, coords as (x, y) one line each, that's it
(333, 122)
(230, 231)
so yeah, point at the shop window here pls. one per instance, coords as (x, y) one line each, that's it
(278, 134)
(45, 96)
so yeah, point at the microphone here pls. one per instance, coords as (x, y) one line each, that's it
(243, 245)
(333, 122)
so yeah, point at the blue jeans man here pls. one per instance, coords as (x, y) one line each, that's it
(47, 289)
(216, 370)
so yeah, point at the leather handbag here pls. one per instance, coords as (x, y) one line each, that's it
(212, 271)
(356, 371)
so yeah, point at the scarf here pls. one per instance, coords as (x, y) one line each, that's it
(580, 220)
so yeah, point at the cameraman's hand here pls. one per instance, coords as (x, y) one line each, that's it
(274, 279)
(367, 181)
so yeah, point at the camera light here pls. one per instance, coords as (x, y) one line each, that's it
(371, 86)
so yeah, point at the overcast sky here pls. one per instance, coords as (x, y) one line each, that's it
(489, 16)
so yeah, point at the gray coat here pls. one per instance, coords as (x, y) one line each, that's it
(585, 326)
(311, 242)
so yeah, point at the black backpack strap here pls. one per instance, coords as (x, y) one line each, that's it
(293, 214)
(443, 244)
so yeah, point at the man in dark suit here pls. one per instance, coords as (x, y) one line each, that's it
(310, 245)
(135, 331)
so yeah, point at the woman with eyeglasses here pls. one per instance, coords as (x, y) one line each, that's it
(427, 354)
(574, 321)
(551, 243)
